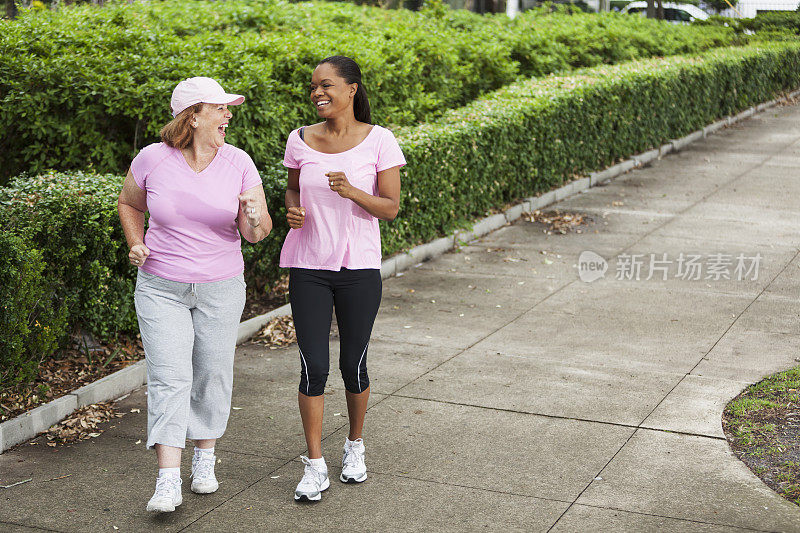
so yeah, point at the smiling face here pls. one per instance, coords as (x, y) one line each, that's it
(330, 93)
(211, 123)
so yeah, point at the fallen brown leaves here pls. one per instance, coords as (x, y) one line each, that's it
(787, 100)
(557, 221)
(280, 289)
(82, 424)
(277, 333)
(71, 370)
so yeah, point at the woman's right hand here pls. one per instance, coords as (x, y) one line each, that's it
(138, 254)
(296, 216)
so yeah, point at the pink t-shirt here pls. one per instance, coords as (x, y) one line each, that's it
(337, 232)
(192, 233)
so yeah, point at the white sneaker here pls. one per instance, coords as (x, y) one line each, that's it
(313, 483)
(203, 479)
(167, 496)
(353, 468)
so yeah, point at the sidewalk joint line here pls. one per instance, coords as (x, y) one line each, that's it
(32, 527)
(212, 509)
(483, 489)
(560, 417)
(694, 520)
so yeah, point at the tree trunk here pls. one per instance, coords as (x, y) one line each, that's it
(651, 9)
(11, 9)
(660, 10)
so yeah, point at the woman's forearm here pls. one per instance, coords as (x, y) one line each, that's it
(255, 234)
(132, 221)
(292, 198)
(377, 206)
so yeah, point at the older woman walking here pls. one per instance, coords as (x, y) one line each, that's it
(344, 175)
(202, 195)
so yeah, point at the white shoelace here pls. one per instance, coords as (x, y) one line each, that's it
(165, 487)
(311, 475)
(352, 457)
(204, 468)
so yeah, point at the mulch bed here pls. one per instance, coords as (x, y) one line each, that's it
(277, 297)
(72, 369)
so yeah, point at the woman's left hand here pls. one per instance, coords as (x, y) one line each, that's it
(248, 203)
(338, 183)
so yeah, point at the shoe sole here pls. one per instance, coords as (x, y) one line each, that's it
(164, 509)
(360, 479)
(318, 497)
(205, 490)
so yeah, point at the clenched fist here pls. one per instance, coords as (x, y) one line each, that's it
(138, 254)
(338, 183)
(249, 206)
(296, 216)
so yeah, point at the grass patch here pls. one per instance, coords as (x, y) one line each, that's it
(762, 425)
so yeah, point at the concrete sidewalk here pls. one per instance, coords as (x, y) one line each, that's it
(507, 393)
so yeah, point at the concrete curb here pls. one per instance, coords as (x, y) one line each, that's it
(30, 424)
(250, 327)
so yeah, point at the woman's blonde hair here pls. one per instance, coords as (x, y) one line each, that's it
(178, 132)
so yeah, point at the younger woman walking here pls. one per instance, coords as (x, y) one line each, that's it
(344, 175)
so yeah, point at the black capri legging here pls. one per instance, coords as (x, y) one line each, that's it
(356, 297)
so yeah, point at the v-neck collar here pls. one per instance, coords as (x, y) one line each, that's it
(193, 171)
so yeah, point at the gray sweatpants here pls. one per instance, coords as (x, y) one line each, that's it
(189, 337)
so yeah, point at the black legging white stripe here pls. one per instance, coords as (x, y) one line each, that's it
(355, 295)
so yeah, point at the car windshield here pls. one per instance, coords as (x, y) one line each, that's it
(677, 14)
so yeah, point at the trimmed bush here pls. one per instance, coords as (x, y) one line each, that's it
(72, 219)
(771, 24)
(86, 87)
(524, 138)
(536, 134)
(30, 323)
(788, 21)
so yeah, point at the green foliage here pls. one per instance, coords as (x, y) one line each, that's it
(85, 87)
(719, 20)
(30, 323)
(776, 21)
(721, 5)
(772, 25)
(533, 135)
(72, 219)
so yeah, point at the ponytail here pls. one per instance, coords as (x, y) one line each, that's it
(361, 105)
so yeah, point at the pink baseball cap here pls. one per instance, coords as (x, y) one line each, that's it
(200, 89)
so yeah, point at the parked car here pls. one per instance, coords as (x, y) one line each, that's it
(675, 13)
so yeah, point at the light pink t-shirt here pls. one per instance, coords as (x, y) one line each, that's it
(192, 233)
(337, 232)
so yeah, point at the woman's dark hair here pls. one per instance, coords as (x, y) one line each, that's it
(349, 70)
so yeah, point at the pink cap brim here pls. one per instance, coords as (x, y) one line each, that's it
(230, 99)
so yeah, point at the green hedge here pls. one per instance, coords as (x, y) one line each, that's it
(30, 322)
(85, 87)
(772, 24)
(533, 135)
(72, 219)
